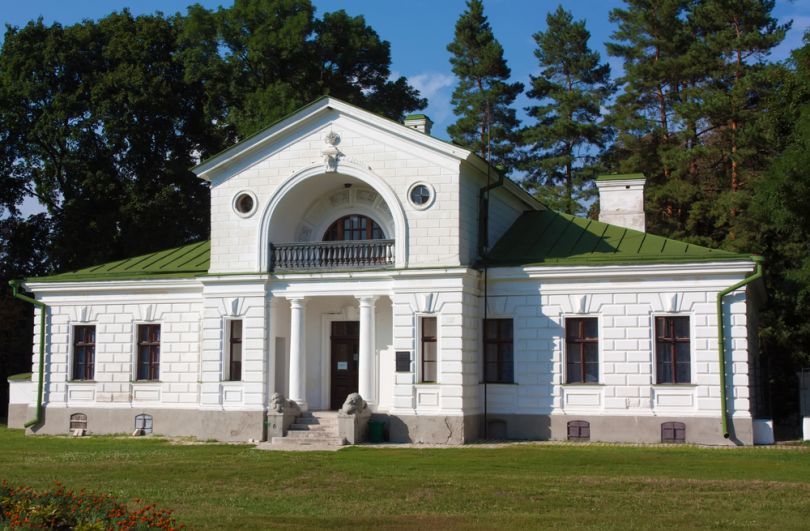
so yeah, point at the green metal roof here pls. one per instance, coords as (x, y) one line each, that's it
(186, 261)
(620, 177)
(552, 238)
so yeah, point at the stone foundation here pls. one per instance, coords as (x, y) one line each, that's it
(204, 425)
(619, 429)
(18, 415)
(425, 429)
(433, 429)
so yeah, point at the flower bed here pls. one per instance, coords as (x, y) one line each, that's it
(22, 507)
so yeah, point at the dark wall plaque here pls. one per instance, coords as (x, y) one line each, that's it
(403, 361)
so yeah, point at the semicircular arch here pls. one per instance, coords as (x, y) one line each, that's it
(316, 171)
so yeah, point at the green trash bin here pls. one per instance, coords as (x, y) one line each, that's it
(375, 431)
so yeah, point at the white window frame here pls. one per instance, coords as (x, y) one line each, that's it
(71, 354)
(599, 352)
(134, 364)
(226, 349)
(654, 349)
(418, 350)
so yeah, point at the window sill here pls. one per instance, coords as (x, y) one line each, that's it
(146, 382)
(583, 384)
(499, 383)
(675, 385)
(428, 384)
(80, 382)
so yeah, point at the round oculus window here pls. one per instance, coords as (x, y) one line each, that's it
(421, 196)
(244, 204)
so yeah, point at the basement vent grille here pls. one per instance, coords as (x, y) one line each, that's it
(78, 421)
(579, 430)
(673, 432)
(143, 424)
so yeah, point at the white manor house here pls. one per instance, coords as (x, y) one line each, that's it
(353, 254)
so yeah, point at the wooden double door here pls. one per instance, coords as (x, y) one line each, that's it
(345, 355)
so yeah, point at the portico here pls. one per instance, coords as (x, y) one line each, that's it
(327, 347)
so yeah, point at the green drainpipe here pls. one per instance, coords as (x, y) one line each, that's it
(721, 338)
(15, 286)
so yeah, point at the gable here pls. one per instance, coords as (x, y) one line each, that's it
(308, 117)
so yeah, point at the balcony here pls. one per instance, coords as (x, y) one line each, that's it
(347, 254)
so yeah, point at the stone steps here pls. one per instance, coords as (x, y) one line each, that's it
(311, 429)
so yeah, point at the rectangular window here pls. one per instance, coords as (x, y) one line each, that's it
(429, 353)
(582, 350)
(498, 354)
(84, 352)
(148, 352)
(672, 350)
(235, 352)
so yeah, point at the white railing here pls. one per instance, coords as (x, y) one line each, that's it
(348, 254)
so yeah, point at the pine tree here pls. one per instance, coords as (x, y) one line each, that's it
(486, 123)
(695, 91)
(571, 89)
(653, 39)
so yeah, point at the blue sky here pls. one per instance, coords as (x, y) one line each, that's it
(418, 30)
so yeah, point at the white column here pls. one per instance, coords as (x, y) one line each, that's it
(298, 376)
(366, 361)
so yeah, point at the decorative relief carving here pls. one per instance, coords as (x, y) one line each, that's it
(367, 196)
(340, 198)
(331, 154)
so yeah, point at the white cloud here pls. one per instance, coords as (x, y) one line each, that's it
(430, 83)
(437, 88)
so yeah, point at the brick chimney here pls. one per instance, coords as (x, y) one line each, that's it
(420, 122)
(621, 200)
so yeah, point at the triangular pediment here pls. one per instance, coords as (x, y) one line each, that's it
(311, 114)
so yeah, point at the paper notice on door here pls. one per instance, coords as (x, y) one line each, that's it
(343, 366)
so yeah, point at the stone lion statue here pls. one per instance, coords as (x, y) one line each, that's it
(278, 403)
(354, 404)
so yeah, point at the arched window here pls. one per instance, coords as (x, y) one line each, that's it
(353, 227)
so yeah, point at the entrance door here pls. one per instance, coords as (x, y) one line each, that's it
(345, 347)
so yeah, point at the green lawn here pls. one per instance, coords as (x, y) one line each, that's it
(549, 486)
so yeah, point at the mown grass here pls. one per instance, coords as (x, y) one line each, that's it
(548, 486)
